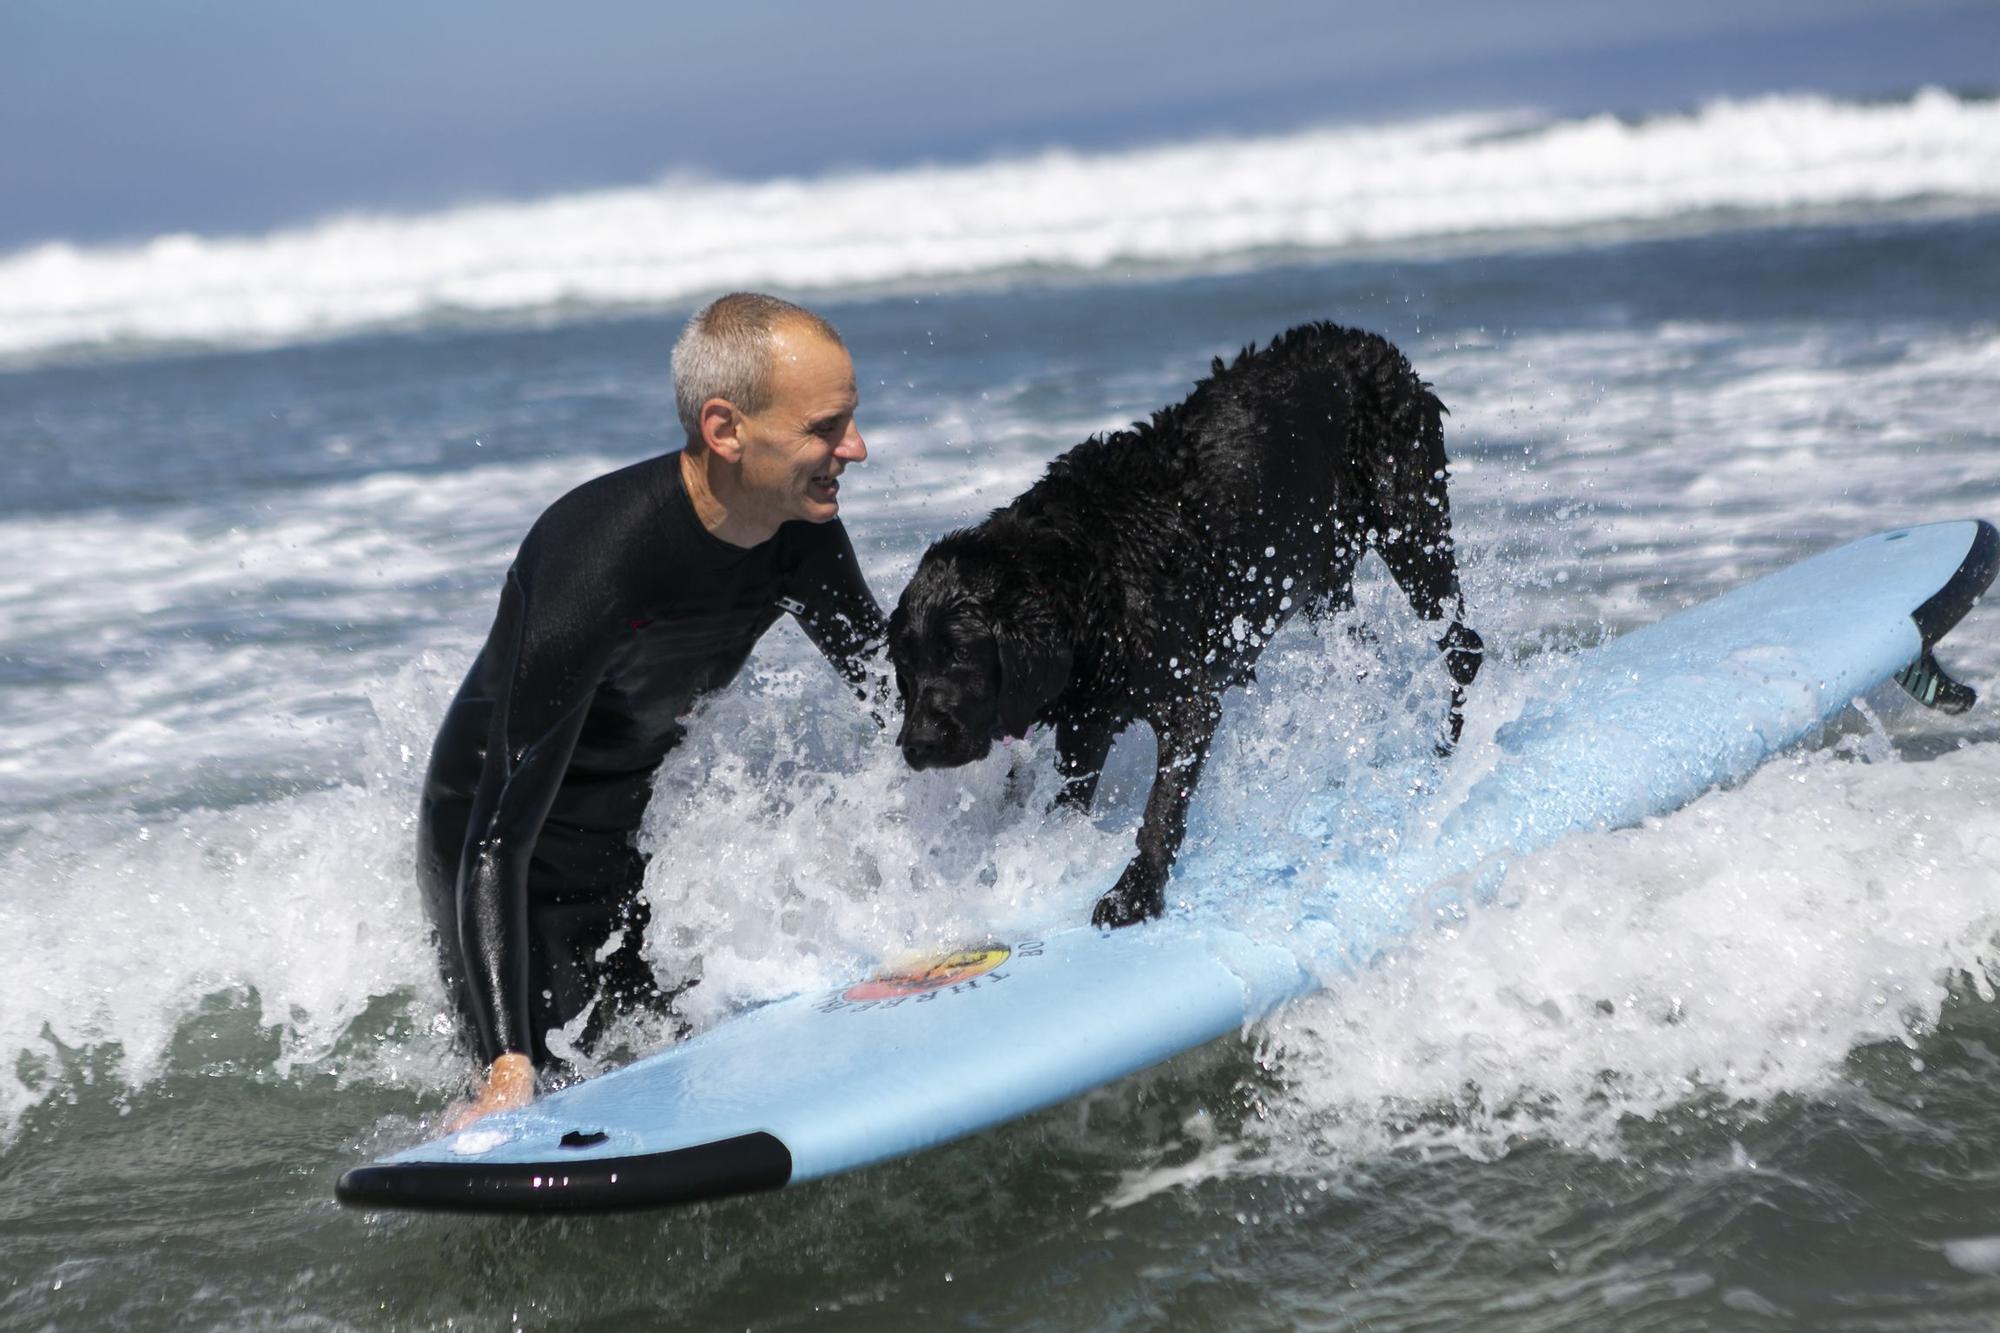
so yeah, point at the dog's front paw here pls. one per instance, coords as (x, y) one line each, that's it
(1139, 894)
(1463, 650)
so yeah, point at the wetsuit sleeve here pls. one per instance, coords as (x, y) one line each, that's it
(548, 672)
(831, 601)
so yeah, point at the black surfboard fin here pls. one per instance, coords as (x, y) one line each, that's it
(1926, 682)
(1924, 679)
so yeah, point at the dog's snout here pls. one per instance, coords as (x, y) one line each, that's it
(925, 750)
(935, 734)
(923, 739)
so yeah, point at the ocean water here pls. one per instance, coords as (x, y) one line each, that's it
(1729, 1069)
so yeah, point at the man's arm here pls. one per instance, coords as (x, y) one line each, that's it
(537, 716)
(837, 611)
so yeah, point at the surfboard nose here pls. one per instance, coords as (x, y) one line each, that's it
(744, 1164)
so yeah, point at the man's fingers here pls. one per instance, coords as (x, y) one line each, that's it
(509, 1083)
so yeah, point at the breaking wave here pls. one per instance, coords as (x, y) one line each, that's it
(1487, 178)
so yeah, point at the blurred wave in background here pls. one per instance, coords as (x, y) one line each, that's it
(1468, 181)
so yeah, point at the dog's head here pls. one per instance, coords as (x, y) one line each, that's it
(974, 659)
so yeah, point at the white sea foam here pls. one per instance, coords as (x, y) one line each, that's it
(179, 646)
(1739, 949)
(1743, 946)
(1467, 176)
(171, 645)
(304, 901)
(1702, 454)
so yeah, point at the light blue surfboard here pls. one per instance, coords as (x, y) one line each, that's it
(925, 1052)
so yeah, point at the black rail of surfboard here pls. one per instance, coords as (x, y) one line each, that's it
(743, 1165)
(1948, 605)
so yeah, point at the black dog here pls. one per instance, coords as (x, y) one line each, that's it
(1145, 572)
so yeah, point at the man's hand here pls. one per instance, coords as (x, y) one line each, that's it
(509, 1083)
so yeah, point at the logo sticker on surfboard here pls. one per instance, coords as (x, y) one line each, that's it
(925, 977)
(916, 975)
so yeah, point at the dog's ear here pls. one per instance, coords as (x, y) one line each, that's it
(1031, 674)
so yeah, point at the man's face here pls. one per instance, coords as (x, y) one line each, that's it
(796, 448)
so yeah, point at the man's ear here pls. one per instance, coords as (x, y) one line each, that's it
(1030, 675)
(721, 429)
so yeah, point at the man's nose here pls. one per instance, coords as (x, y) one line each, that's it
(851, 448)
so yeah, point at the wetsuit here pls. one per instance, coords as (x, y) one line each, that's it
(620, 611)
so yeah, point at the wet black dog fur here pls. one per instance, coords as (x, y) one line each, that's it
(1144, 573)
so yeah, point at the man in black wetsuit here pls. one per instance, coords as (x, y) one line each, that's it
(632, 596)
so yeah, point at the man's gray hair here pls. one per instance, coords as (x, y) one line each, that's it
(725, 352)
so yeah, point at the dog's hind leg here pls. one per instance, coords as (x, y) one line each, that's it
(1185, 733)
